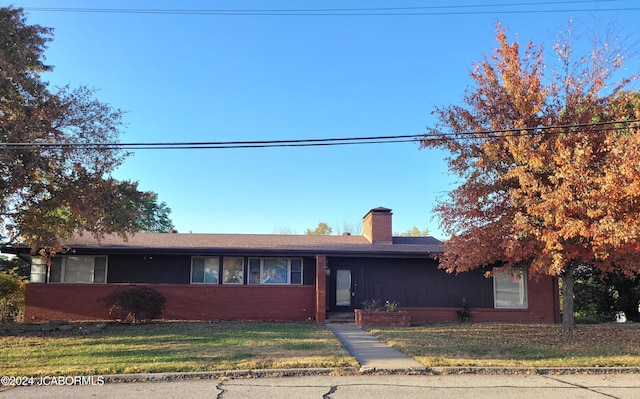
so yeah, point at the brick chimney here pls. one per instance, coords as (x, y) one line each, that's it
(376, 226)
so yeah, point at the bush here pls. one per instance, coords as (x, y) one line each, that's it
(464, 314)
(15, 265)
(592, 296)
(599, 296)
(391, 306)
(373, 305)
(11, 297)
(136, 304)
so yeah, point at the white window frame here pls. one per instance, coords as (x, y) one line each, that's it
(224, 270)
(263, 272)
(217, 258)
(64, 260)
(520, 284)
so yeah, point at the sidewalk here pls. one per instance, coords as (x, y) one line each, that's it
(370, 352)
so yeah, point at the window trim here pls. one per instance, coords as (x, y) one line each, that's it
(523, 292)
(204, 282)
(262, 270)
(63, 269)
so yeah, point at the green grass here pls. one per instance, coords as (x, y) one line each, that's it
(518, 345)
(205, 346)
(167, 347)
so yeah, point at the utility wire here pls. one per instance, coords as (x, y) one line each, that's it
(152, 10)
(234, 144)
(432, 136)
(384, 11)
(529, 131)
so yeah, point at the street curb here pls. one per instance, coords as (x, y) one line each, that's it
(228, 374)
(351, 371)
(534, 370)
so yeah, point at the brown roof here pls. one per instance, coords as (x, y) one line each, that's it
(176, 242)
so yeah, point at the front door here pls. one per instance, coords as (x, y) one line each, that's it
(344, 291)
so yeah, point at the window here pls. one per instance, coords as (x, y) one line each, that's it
(78, 269)
(233, 270)
(275, 271)
(510, 289)
(204, 270)
(296, 271)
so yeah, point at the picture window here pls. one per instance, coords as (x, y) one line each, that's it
(204, 270)
(78, 269)
(233, 270)
(275, 271)
(510, 289)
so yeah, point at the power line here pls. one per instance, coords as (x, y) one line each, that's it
(382, 11)
(222, 144)
(530, 131)
(487, 134)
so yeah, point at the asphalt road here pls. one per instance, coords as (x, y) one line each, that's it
(623, 386)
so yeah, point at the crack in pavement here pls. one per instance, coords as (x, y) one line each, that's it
(590, 389)
(221, 389)
(332, 390)
(327, 391)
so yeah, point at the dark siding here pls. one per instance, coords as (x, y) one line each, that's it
(414, 283)
(156, 269)
(172, 269)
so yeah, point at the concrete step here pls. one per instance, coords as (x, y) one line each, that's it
(340, 318)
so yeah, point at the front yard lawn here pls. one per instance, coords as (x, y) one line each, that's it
(216, 346)
(171, 347)
(518, 345)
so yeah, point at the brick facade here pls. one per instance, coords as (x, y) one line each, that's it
(321, 288)
(382, 319)
(184, 302)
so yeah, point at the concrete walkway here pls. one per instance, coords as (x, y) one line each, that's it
(370, 352)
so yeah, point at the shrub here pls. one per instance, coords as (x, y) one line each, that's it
(464, 314)
(373, 305)
(391, 306)
(136, 304)
(11, 297)
(599, 296)
(16, 266)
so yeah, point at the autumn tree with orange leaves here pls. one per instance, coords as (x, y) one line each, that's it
(549, 164)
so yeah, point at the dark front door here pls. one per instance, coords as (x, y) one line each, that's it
(343, 294)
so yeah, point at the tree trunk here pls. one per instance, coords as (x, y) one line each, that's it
(568, 317)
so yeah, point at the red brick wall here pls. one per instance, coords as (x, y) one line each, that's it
(321, 291)
(382, 319)
(542, 299)
(184, 302)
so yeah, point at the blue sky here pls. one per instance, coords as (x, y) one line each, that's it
(234, 78)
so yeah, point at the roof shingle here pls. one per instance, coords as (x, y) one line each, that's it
(330, 244)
